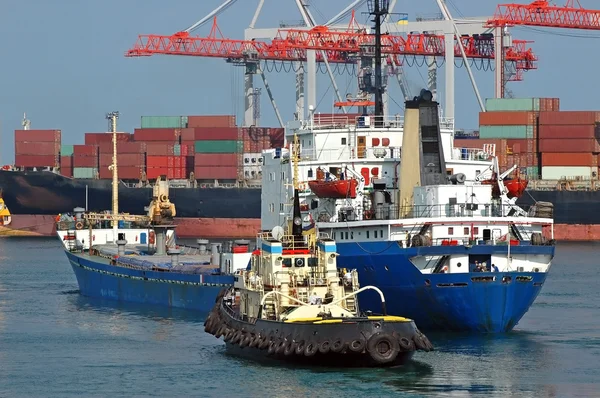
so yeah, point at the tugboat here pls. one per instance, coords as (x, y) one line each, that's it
(293, 304)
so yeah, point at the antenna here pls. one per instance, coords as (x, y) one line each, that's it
(277, 232)
(112, 127)
(112, 121)
(26, 123)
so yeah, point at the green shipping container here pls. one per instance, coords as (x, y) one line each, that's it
(85, 172)
(66, 150)
(177, 150)
(167, 122)
(533, 172)
(212, 146)
(512, 104)
(506, 132)
(240, 146)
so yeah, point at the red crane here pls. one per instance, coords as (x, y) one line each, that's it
(542, 13)
(339, 46)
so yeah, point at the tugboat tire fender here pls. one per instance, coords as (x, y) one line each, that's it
(357, 345)
(264, 343)
(338, 346)
(236, 337)
(311, 349)
(229, 335)
(244, 340)
(221, 331)
(272, 347)
(255, 341)
(290, 348)
(325, 346)
(420, 342)
(383, 348)
(281, 345)
(221, 294)
(406, 344)
(300, 346)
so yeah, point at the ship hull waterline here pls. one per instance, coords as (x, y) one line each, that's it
(187, 291)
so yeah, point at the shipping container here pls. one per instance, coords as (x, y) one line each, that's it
(180, 150)
(507, 132)
(160, 149)
(216, 159)
(157, 122)
(211, 121)
(277, 137)
(36, 161)
(569, 117)
(187, 134)
(129, 160)
(85, 150)
(66, 172)
(66, 161)
(85, 172)
(568, 159)
(129, 172)
(123, 147)
(533, 172)
(252, 159)
(216, 133)
(152, 173)
(560, 172)
(574, 145)
(511, 104)
(189, 163)
(230, 146)
(507, 118)
(157, 161)
(38, 136)
(216, 172)
(97, 138)
(177, 162)
(566, 131)
(167, 135)
(37, 148)
(549, 104)
(85, 161)
(190, 145)
(66, 150)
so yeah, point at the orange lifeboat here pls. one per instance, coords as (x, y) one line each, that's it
(336, 189)
(515, 186)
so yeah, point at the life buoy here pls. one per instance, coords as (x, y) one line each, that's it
(57, 219)
(78, 225)
(151, 237)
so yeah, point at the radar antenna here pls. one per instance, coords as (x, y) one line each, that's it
(26, 123)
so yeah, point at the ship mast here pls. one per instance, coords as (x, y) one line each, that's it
(378, 8)
(112, 126)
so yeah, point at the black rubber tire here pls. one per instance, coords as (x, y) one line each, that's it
(264, 343)
(406, 344)
(290, 348)
(338, 346)
(281, 346)
(357, 345)
(300, 346)
(272, 347)
(221, 331)
(420, 342)
(311, 349)
(255, 341)
(237, 337)
(383, 348)
(245, 340)
(229, 335)
(324, 346)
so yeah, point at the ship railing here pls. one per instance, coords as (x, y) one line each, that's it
(342, 121)
(347, 152)
(463, 210)
(472, 154)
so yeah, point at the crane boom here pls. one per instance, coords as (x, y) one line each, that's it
(542, 13)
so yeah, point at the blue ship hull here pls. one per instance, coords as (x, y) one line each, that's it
(444, 302)
(98, 278)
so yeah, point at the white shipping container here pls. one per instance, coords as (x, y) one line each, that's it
(252, 159)
(569, 172)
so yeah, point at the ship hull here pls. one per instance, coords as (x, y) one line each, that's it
(170, 289)
(443, 302)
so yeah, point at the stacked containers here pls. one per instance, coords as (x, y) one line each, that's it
(85, 161)
(568, 143)
(516, 120)
(217, 150)
(131, 162)
(161, 135)
(98, 138)
(37, 148)
(66, 160)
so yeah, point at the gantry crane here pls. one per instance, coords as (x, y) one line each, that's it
(539, 13)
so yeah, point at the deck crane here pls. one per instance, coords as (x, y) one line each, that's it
(332, 44)
(539, 13)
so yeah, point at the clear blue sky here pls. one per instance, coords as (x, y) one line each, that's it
(63, 63)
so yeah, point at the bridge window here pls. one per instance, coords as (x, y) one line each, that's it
(375, 234)
(346, 235)
(281, 207)
(344, 141)
(466, 231)
(367, 234)
(475, 230)
(381, 233)
(271, 207)
(310, 173)
(450, 230)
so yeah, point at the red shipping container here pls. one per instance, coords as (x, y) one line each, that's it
(167, 135)
(216, 133)
(154, 172)
(549, 104)
(215, 172)
(38, 136)
(85, 150)
(211, 121)
(568, 159)
(177, 162)
(66, 161)
(159, 149)
(567, 131)
(37, 148)
(184, 150)
(123, 147)
(170, 173)
(569, 117)
(190, 147)
(85, 161)
(187, 134)
(129, 172)
(36, 160)
(277, 137)
(507, 118)
(157, 161)
(97, 138)
(130, 159)
(215, 159)
(66, 171)
(574, 146)
(171, 162)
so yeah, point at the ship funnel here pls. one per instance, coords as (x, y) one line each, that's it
(174, 253)
(241, 246)
(459, 178)
(215, 256)
(121, 242)
(202, 244)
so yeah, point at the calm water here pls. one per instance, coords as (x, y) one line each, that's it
(53, 342)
